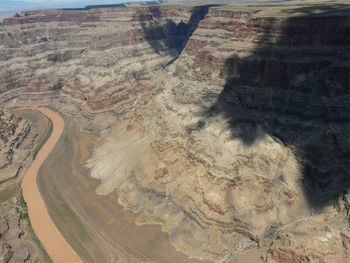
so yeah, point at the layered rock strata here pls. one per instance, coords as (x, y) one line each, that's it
(242, 141)
(13, 144)
(17, 240)
(231, 120)
(99, 58)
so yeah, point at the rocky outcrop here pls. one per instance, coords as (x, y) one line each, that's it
(100, 58)
(16, 237)
(17, 240)
(233, 137)
(231, 120)
(13, 144)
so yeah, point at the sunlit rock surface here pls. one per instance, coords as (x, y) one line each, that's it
(226, 124)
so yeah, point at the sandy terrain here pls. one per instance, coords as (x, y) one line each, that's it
(244, 112)
(96, 226)
(54, 243)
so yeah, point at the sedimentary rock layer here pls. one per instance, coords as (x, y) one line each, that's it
(240, 112)
(14, 144)
(17, 240)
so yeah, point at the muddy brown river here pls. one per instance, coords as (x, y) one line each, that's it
(53, 241)
(75, 224)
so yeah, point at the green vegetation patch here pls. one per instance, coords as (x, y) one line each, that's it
(43, 139)
(33, 117)
(7, 193)
(22, 202)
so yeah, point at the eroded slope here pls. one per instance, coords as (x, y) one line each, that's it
(227, 124)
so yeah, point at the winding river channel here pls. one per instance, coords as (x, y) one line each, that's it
(51, 238)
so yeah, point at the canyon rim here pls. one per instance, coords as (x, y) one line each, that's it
(194, 132)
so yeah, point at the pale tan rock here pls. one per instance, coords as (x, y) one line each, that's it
(224, 189)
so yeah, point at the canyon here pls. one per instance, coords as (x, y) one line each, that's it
(220, 129)
(18, 137)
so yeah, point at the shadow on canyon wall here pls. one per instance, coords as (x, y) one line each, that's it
(296, 89)
(169, 38)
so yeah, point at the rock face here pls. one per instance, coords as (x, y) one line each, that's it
(13, 145)
(16, 240)
(17, 138)
(99, 58)
(232, 120)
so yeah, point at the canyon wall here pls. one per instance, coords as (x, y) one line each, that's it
(17, 240)
(227, 124)
(99, 59)
(16, 139)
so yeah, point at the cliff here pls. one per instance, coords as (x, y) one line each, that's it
(241, 112)
(13, 132)
(17, 240)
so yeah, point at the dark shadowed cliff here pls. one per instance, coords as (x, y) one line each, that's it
(226, 124)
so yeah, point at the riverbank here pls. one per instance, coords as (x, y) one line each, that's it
(97, 227)
(53, 241)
